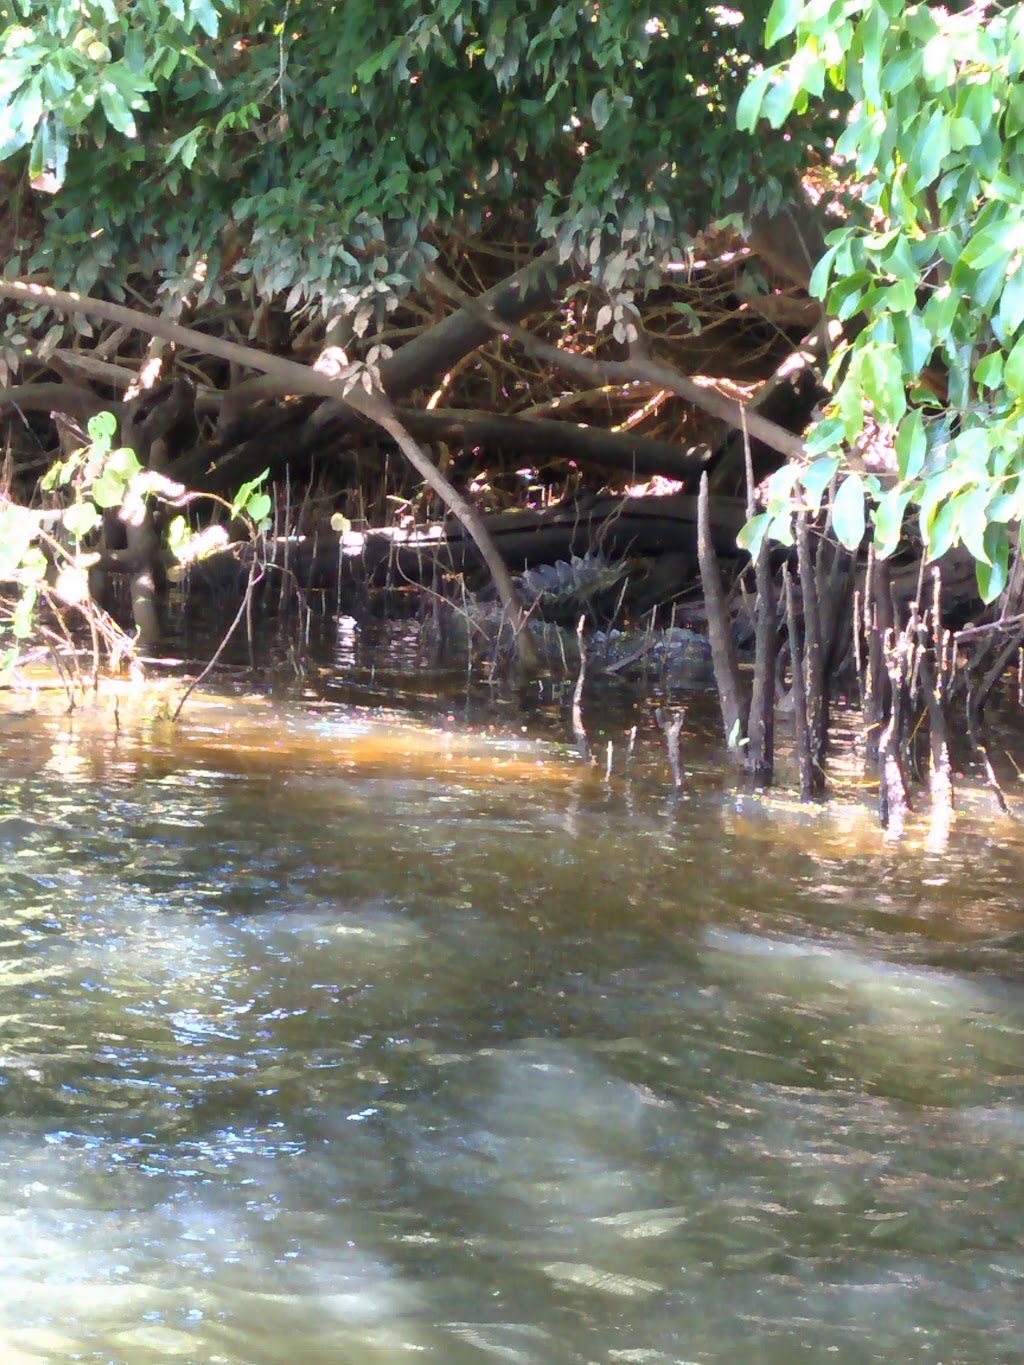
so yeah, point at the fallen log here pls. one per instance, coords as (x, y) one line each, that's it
(615, 526)
(662, 528)
(275, 436)
(529, 437)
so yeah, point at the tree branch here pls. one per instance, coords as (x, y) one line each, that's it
(348, 387)
(436, 350)
(639, 455)
(727, 410)
(68, 398)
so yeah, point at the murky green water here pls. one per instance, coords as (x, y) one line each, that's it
(329, 1041)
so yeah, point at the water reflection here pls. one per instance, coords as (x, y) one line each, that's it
(331, 1041)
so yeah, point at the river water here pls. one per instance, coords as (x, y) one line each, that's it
(327, 1037)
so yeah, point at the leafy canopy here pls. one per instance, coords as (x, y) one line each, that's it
(930, 260)
(318, 150)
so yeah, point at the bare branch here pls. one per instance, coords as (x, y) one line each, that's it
(69, 398)
(295, 378)
(728, 410)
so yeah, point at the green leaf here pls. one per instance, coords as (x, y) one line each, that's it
(993, 570)
(900, 297)
(258, 507)
(898, 73)
(970, 451)
(81, 518)
(61, 472)
(1010, 314)
(927, 158)
(780, 485)
(817, 477)
(381, 59)
(848, 516)
(18, 530)
(49, 155)
(242, 498)
(108, 489)
(115, 106)
(123, 462)
(825, 435)
(888, 520)
(850, 401)
(847, 292)
(1002, 187)
(972, 521)
(818, 286)
(988, 288)
(185, 147)
(600, 109)
(23, 616)
(872, 32)
(937, 60)
(988, 373)
(1013, 370)
(753, 533)
(940, 529)
(34, 565)
(748, 110)
(1004, 507)
(914, 343)
(101, 428)
(883, 384)
(941, 309)
(782, 20)
(985, 248)
(963, 132)
(205, 15)
(781, 528)
(178, 534)
(949, 244)
(786, 94)
(911, 445)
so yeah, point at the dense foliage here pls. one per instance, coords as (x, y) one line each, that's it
(929, 265)
(319, 149)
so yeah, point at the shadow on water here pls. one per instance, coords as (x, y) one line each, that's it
(328, 1037)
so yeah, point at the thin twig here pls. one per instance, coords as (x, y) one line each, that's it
(578, 728)
(255, 574)
(671, 725)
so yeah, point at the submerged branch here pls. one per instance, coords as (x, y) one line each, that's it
(731, 692)
(579, 730)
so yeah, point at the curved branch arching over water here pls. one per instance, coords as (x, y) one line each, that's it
(371, 403)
